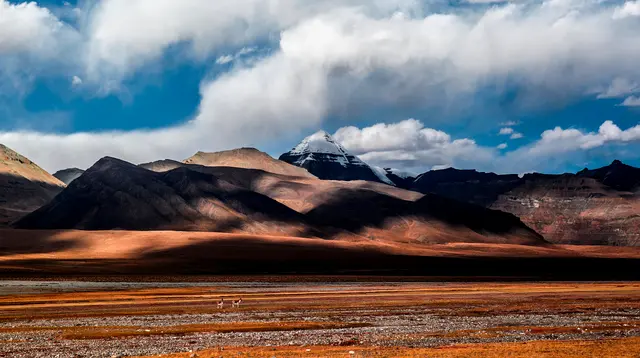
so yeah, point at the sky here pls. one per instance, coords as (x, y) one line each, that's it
(505, 86)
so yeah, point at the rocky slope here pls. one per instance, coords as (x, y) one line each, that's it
(596, 207)
(24, 186)
(325, 158)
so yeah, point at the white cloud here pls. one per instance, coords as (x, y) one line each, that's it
(619, 88)
(76, 81)
(516, 135)
(26, 27)
(222, 60)
(505, 131)
(509, 123)
(408, 144)
(332, 54)
(248, 106)
(398, 145)
(558, 140)
(628, 9)
(631, 101)
(410, 133)
(33, 42)
(125, 34)
(486, 1)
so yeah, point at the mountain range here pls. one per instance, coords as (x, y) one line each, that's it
(598, 207)
(320, 190)
(116, 195)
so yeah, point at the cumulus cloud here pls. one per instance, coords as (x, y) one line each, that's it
(409, 144)
(125, 34)
(628, 9)
(505, 131)
(631, 101)
(559, 141)
(33, 42)
(224, 59)
(76, 81)
(334, 54)
(26, 27)
(510, 132)
(619, 87)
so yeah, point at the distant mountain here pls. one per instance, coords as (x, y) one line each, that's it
(466, 185)
(24, 186)
(598, 207)
(325, 158)
(401, 179)
(114, 194)
(68, 175)
(248, 158)
(617, 175)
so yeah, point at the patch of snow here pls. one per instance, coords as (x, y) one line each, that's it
(381, 174)
(319, 142)
(400, 173)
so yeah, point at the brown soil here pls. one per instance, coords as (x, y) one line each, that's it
(389, 319)
(614, 348)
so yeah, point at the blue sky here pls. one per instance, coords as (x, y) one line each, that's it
(403, 83)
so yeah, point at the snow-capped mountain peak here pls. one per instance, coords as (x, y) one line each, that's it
(325, 158)
(319, 142)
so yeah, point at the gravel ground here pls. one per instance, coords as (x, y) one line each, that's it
(407, 326)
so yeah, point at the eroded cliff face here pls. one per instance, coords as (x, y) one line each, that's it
(592, 207)
(569, 209)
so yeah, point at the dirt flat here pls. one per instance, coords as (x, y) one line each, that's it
(321, 319)
(613, 348)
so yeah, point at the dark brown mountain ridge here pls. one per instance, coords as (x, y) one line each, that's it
(599, 206)
(114, 194)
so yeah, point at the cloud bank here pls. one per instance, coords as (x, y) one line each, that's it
(409, 144)
(327, 55)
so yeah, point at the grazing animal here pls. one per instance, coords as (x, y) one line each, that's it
(236, 303)
(221, 303)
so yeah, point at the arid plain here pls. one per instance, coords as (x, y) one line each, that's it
(316, 316)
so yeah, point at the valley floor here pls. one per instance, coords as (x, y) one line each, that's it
(317, 317)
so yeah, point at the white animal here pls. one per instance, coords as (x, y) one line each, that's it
(221, 303)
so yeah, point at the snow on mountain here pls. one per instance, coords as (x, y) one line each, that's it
(400, 173)
(325, 158)
(319, 142)
(382, 174)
